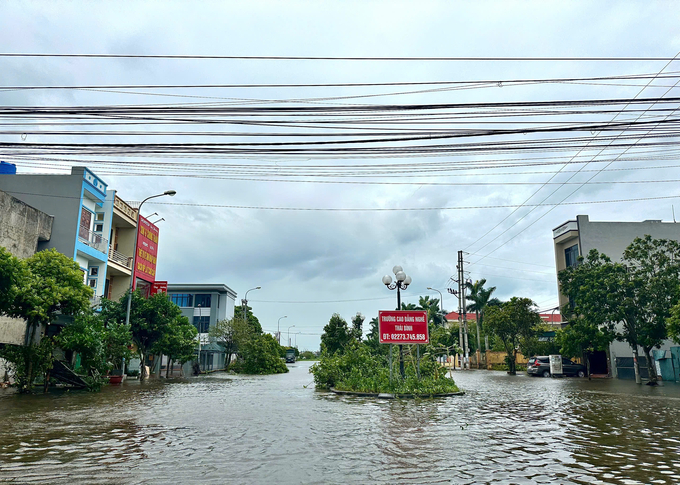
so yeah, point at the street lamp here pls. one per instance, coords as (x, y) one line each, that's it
(441, 299)
(289, 334)
(244, 304)
(171, 193)
(401, 282)
(278, 328)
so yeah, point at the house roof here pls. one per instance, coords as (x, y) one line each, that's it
(550, 317)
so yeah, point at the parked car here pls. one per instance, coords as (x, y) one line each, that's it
(540, 366)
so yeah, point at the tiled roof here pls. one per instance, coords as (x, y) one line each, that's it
(547, 317)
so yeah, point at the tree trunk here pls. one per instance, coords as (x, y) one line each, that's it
(142, 367)
(46, 382)
(511, 362)
(587, 354)
(636, 365)
(651, 367)
(167, 368)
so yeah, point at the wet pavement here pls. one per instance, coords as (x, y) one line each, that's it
(277, 429)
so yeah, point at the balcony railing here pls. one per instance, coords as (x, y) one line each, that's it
(93, 239)
(120, 258)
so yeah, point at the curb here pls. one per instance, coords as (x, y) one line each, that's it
(383, 395)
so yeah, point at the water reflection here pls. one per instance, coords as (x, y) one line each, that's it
(223, 429)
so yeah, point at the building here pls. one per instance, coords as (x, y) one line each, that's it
(81, 219)
(549, 318)
(576, 238)
(121, 247)
(204, 305)
(23, 230)
(92, 225)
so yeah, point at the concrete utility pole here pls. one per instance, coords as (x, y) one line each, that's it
(459, 267)
(462, 313)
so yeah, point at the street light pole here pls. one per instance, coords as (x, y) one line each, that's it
(278, 329)
(244, 304)
(402, 280)
(289, 334)
(171, 193)
(441, 298)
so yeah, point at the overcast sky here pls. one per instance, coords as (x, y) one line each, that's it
(311, 264)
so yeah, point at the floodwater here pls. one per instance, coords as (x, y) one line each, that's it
(277, 429)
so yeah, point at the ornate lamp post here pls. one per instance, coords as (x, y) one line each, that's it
(278, 329)
(401, 282)
(244, 304)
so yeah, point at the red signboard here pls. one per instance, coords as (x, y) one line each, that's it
(147, 251)
(403, 327)
(158, 287)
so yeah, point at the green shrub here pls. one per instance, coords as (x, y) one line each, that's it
(260, 355)
(359, 370)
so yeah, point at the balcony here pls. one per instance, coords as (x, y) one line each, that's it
(120, 258)
(92, 239)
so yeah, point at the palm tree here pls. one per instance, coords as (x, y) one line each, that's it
(435, 314)
(480, 298)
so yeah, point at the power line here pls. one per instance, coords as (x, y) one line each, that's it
(370, 209)
(344, 58)
(346, 84)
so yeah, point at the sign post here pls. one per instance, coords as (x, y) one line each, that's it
(403, 327)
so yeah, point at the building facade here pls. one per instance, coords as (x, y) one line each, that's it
(576, 238)
(204, 305)
(81, 219)
(23, 229)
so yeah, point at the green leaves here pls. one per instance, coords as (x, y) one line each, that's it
(38, 288)
(336, 335)
(515, 323)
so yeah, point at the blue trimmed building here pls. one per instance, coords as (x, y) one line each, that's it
(82, 216)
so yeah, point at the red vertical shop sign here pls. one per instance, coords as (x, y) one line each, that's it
(146, 251)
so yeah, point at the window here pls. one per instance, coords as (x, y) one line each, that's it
(571, 256)
(202, 300)
(85, 224)
(94, 270)
(182, 299)
(92, 282)
(99, 216)
(98, 227)
(202, 324)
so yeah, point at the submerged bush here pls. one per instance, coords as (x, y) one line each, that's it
(358, 369)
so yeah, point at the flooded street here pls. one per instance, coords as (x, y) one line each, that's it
(277, 429)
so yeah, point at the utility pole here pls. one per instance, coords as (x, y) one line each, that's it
(459, 267)
(462, 313)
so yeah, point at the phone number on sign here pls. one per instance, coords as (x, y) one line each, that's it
(417, 337)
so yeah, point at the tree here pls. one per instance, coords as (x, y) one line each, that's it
(435, 314)
(260, 355)
(251, 319)
(178, 342)
(373, 339)
(513, 323)
(357, 326)
(43, 286)
(581, 338)
(336, 335)
(150, 319)
(226, 333)
(480, 298)
(637, 293)
(10, 278)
